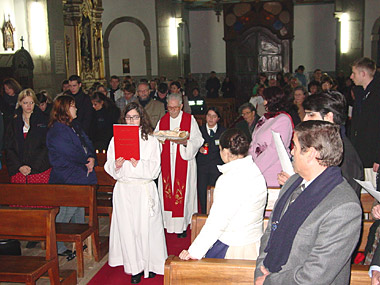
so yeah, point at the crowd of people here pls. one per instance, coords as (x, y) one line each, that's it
(329, 128)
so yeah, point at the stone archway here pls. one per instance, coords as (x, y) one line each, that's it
(146, 43)
(375, 42)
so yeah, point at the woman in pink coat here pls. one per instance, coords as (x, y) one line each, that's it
(262, 147)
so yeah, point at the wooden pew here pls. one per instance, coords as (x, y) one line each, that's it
(223, 271)
(31, 224)
(367, 201)
(208, 270)
(60, 195)
(104, 192)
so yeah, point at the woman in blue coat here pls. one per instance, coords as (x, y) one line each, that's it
(72, 157)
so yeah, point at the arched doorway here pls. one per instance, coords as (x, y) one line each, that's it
(106, 43)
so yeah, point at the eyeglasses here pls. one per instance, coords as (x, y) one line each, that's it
(173, 108)
(130, 118)
(143, 91)
(28, 103)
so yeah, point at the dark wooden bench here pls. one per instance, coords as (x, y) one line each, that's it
(31, 224)
(232, 271)
(104, 192)
(223, 271)
(60, 195)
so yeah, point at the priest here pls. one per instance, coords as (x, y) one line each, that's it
(177, 184)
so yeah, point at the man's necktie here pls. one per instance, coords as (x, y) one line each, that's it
(212, 133)
(293, 197)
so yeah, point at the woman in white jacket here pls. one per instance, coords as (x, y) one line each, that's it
(235, 224)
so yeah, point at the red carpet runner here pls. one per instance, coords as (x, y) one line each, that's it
(115, 275)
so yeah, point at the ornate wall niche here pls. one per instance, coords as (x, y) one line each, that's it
(84, 40)
(8, 39)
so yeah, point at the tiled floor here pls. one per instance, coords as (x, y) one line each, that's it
(90, 266)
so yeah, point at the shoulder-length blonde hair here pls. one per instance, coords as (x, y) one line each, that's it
(61, 110)
(26, 93)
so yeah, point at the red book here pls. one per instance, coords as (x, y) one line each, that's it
(127, 143)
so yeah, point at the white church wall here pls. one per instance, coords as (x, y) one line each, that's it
(208, 49)
(126, 39)
(372, 13)
(18, 20)
(317, 36)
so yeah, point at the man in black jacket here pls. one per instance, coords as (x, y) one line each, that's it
(365, 133)
(82, 102)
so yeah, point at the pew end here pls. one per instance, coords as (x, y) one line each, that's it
(208, 271)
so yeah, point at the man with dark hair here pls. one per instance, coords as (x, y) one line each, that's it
(212, 86)
(154, 108)
(365, 131)
(82, 102)
(114, 92)
(161, 94)
(332, 108)
(315, 224)
(128, 97)
(64, 87)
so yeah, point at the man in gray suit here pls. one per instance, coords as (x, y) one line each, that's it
(315, 224)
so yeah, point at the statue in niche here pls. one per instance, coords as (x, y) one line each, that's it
(85, 45)
(8, 30)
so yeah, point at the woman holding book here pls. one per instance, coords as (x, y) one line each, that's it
(137, 238)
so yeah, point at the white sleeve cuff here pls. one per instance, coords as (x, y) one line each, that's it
(373, 267)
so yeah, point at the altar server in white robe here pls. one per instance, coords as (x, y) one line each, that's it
(177, 184)
(137, 238)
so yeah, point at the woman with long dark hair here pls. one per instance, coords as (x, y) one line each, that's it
(137, 238)
(106, 114)
(262, 148)
(8, 100)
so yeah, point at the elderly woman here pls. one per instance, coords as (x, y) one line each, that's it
(249, 114)
(137, 238)
(72, 156)
(25, 142)
(235, 224)
(262, 148)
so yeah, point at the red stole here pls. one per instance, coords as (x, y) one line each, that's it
(174, 200)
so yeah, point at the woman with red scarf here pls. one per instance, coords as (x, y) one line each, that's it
(262, 147)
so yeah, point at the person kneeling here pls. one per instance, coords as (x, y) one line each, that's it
(235, 224)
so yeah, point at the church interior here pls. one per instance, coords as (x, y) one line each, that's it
(44, 42)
